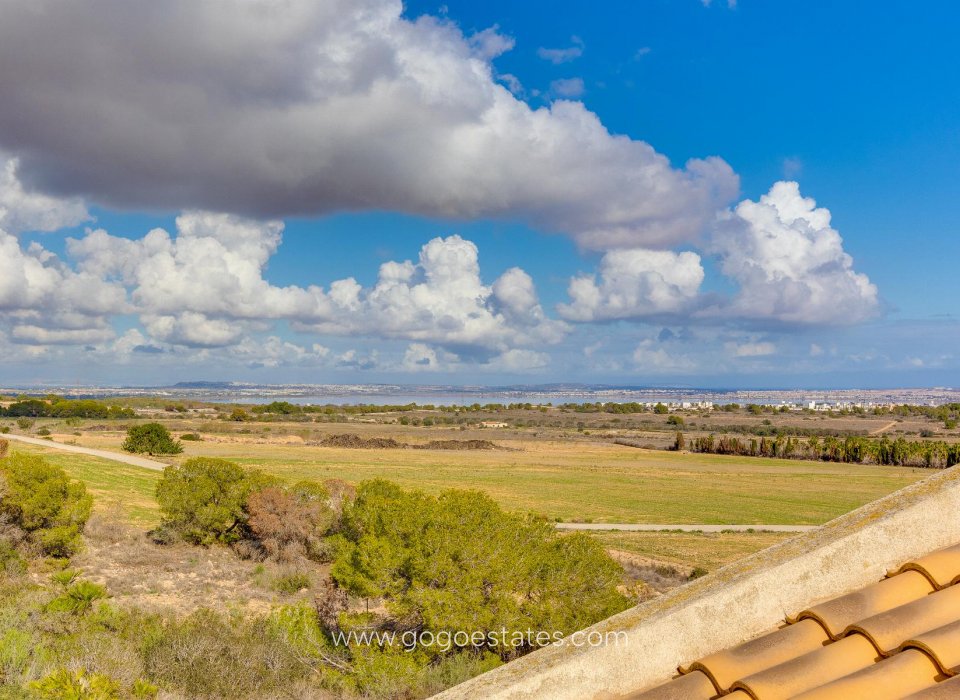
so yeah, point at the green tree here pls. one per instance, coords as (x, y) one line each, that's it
(152, 439)
(459, 562)
(679, 444)
(40, 499)
(660, 408)
(205, 499)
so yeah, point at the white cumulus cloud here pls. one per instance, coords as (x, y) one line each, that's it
(635, 284)
(23, 209)
(790, 263)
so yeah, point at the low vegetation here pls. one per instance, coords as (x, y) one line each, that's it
(408, 569)
(857, 450)
(41, 509)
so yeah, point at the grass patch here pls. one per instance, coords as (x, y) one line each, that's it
(697, 550)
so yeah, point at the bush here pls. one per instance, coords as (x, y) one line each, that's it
(77, 685)
(40, 499)
(290, 523)
(205, 499)
(43, 432)
(78, 598)
(290, 583)
(191, 437)
(25, 423)
(152, 439)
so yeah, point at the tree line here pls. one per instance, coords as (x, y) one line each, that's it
(851, 449)
(64, 408)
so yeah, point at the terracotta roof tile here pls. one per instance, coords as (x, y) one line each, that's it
(890, 629)
(807, 671)
(944, 690)
(727, 666)
(838, 614)
(891, 679)
(898, 638)
(942, 567)
(942, 645)
(691, 686)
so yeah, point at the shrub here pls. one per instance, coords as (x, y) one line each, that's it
(43, 432)
(25, 423)
(77, 685)
(290, 523)
(191, 437)
(40, 499)
(78, 598)
(65, 577)
(205, 499)
(152, 439)
(4, 447)
(290, 583)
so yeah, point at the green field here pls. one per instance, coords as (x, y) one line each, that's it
(597, 482)
(707, 550)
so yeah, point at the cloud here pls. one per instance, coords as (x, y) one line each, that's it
(22, 209)
(567, 87)
(206, 287)
(752, 349)
(634, 284)
(276, 352)
(37, 335)
(327, 106)
(653, 359)
(442, 300)
(789, 262)
(44, 301)
(490, 43)
(564, 55)
(419, 357)
(518, 360)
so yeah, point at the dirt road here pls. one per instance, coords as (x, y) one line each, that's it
(104, 454)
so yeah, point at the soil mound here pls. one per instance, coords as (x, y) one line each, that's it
(349, 440)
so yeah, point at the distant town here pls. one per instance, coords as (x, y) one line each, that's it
(673, 397)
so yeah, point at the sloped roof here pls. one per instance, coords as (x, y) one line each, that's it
(897, 638)
(752, 597)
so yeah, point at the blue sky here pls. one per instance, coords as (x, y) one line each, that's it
(701, 275)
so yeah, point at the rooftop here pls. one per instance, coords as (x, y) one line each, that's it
(897, 638)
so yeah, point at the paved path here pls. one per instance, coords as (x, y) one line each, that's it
(632, 527)
(104, 454)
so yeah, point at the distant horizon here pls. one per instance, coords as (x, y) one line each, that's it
(356, 388)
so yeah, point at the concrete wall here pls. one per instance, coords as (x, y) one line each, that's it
(737, 602)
